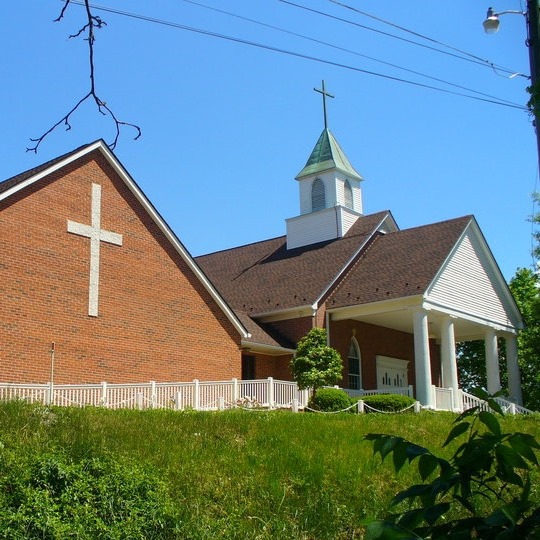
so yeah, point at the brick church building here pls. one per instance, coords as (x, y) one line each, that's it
(87, 263)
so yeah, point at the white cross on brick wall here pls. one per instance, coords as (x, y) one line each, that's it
(96, 235)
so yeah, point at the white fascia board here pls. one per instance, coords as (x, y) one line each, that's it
(496, 271)
(376, 308)
(285, 314)
(49, 170)
(272, 350)
(347, 265)
(154, 214)
(439, 308)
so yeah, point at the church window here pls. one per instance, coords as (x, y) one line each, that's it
(348, 195)
(355, 371)
(318, 195)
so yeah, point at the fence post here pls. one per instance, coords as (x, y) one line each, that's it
(139, 400)
(236, 396)
(178, 400)
(49, 394)
(221, 403)
(410, 391)
(305, 397)
(512, 408)
(360, 406)
(294, 406)
(197, 404)
(153, 396)
(104, 397)
(417, 407)
(270, 392)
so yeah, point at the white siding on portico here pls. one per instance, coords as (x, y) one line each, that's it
(470, 283)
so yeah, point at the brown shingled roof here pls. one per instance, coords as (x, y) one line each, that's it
(399, 264)
(265, 276)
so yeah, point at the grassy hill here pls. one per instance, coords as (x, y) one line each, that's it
(96, 473)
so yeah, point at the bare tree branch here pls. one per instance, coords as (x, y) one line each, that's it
(93, 22)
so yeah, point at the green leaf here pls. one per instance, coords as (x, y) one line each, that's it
(414, 450)
(386, 530)
(508, 456)
(465, 414)
(489, 420)
(456, 431)
(426, 465)
(432, 514)
(414, 491)
(399, 456)
(521, 443)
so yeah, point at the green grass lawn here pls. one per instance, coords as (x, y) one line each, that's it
(234, 474)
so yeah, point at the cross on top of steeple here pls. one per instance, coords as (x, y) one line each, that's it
(324, 95)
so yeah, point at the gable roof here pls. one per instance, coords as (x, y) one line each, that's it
(265, 277)
(399, 264)
(327, 155)
(19, 182)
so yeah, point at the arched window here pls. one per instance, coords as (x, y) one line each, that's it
(348, 195)
(355, 366)
(318, 196)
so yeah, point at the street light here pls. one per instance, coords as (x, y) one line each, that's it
(491, 26)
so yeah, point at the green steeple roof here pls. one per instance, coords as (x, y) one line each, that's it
(327, 155)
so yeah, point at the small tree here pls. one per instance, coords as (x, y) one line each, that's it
(315, 364)
(483, 491)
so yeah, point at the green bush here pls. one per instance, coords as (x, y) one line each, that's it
(483, 491)
(387, 402)
(330, 400)
(52, 496)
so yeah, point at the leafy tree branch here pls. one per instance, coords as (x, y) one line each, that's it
(93, 23)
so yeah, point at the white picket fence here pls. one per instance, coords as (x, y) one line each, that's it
(210, 395)
(197, 395)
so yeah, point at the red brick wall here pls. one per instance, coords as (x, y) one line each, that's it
(377, 340)
(273, 366)
(156, 321)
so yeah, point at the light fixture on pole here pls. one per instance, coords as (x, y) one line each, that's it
(491, 24)
(532, 18)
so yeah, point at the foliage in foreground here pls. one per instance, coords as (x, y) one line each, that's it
(55, 496)
(489, 465)
(227, 475)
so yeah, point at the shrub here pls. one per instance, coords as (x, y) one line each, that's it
(483, 491)
(387, 402)
(52, 496)
(330, 400)
(315, 364)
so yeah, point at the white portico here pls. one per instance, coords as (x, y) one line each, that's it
(464, 298)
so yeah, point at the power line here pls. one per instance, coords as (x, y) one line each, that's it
(356, 53)
(423, 36)
(484, 63)
(495, 101)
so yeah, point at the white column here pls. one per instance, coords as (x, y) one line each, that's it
(492, 362)
(449, 363)
(422, 365)
(514, 376)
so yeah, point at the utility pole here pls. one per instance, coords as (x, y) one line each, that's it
(533, 43)
(491, 25)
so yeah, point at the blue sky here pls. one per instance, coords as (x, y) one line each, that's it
(227, 126)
